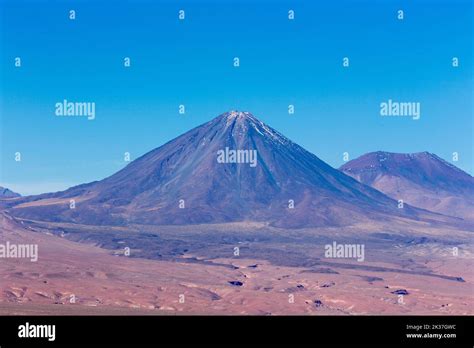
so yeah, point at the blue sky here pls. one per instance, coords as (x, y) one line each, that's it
(190, 62)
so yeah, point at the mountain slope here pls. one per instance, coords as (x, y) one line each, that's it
(6, 193)
(182, 182)
(421, 179)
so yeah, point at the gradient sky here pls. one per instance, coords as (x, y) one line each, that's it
(190, 62)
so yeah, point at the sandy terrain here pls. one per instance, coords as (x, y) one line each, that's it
(104, 283)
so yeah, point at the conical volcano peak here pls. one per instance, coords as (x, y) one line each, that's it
(240, 117)
(242, 122)
(238, 114)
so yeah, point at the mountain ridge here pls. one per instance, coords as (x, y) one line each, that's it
(181, 182)
(422, 179)
(7, 193)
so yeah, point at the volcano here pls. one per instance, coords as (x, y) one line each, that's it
(421, 179)
(232, 168)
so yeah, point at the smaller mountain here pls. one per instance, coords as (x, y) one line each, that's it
(421, 179)
(6, 193)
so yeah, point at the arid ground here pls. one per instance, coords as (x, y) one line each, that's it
(276, 271)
